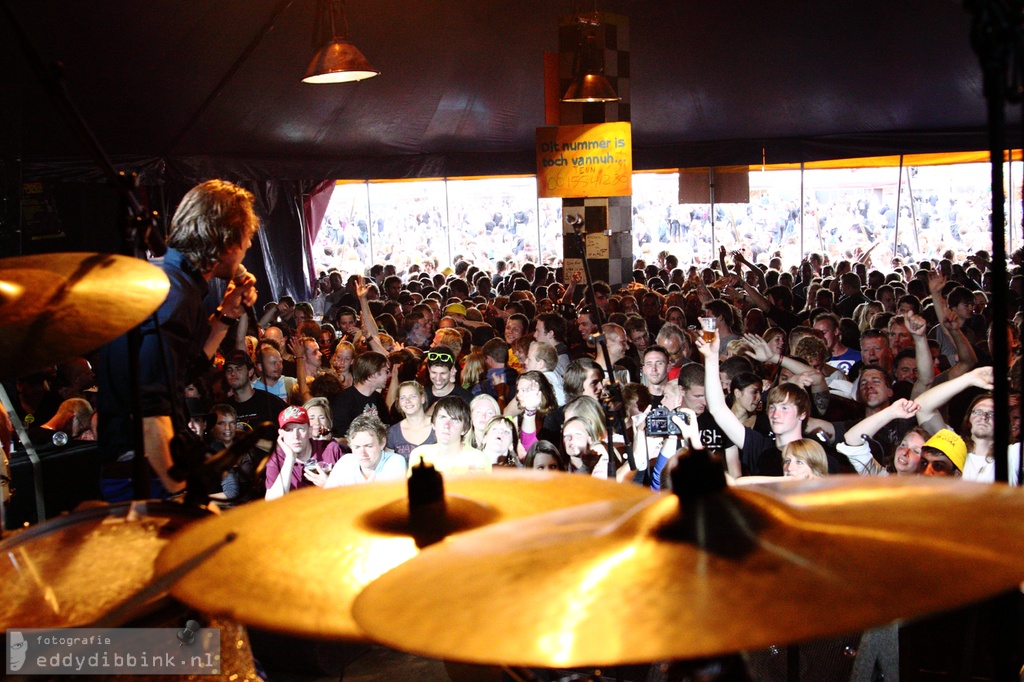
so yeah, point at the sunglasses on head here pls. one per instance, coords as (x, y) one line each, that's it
(442, 356)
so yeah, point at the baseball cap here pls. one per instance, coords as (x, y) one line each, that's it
(951, 445)
(238, 357)
(455, 309)
(292, 415)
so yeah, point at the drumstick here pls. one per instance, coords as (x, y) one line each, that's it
(133, 606)
(49, 596)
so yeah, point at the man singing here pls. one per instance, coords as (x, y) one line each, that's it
(210, 233)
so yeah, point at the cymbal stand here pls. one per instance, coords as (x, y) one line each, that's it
(613, 403)
(33, 457)
(997, 37)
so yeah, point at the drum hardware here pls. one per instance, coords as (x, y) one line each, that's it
(681, 579)
(347, 537)
(33, 458)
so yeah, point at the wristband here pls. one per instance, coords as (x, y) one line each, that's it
(225, 318)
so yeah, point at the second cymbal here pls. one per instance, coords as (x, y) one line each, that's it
(620, 584)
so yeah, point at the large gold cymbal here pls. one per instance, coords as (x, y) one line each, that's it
(612, 584)
(298, 563)
(61, 305)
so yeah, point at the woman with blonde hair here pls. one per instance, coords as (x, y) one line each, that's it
(341, 362)
(320, 420)
(802, 459)
(482, 408)
(501, 442)
(415, 428)
(474, 371)
(583, 446)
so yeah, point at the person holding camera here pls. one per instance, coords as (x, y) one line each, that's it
(661, 435)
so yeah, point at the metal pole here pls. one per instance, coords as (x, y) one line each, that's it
(33, 456)
(899, 197)
(913, 212)
(448, 223)
(711, 192)
(803, 253)
(369, 223)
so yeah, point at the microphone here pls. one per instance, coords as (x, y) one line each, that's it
(239, 279)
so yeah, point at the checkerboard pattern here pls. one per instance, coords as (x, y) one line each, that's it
(613, 41)
(611, 257)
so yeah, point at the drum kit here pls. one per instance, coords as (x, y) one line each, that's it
(535, 569)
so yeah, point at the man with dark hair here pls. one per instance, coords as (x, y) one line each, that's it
(303, 314)
(418, 328)
(499, 374)
(601, 293)
(550, 328)
(636, 329)
(211, 231)
(655, 371)
(451, 422)
(849, 287)
(515, 326)
(370, 375)
(886, 295)
(392, 287)
(442, 377)
(252, 407)
(286, 313)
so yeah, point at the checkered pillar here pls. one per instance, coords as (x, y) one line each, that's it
(611, 256)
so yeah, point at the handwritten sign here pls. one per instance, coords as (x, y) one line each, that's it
(585, 161)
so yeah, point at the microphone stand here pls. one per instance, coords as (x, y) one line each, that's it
(612, 402)
(997, 37)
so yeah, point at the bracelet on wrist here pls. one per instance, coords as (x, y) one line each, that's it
(224, 318)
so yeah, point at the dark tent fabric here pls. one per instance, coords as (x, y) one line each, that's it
(216, 85)
(182, 90)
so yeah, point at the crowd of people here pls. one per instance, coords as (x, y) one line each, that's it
(775, 368)
(431, 224)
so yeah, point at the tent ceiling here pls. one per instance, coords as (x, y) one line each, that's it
(461, 90)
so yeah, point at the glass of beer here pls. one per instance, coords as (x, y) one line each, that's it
(708, 327)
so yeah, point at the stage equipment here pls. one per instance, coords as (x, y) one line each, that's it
(702, 573)
(61, 305)
(297, 563)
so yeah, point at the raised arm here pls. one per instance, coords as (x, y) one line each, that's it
(869, 426)
(366, 317)
(392, 394)
(918, 328)
(937, 396)
(298, 349)
(966, 357)
(727, 421)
